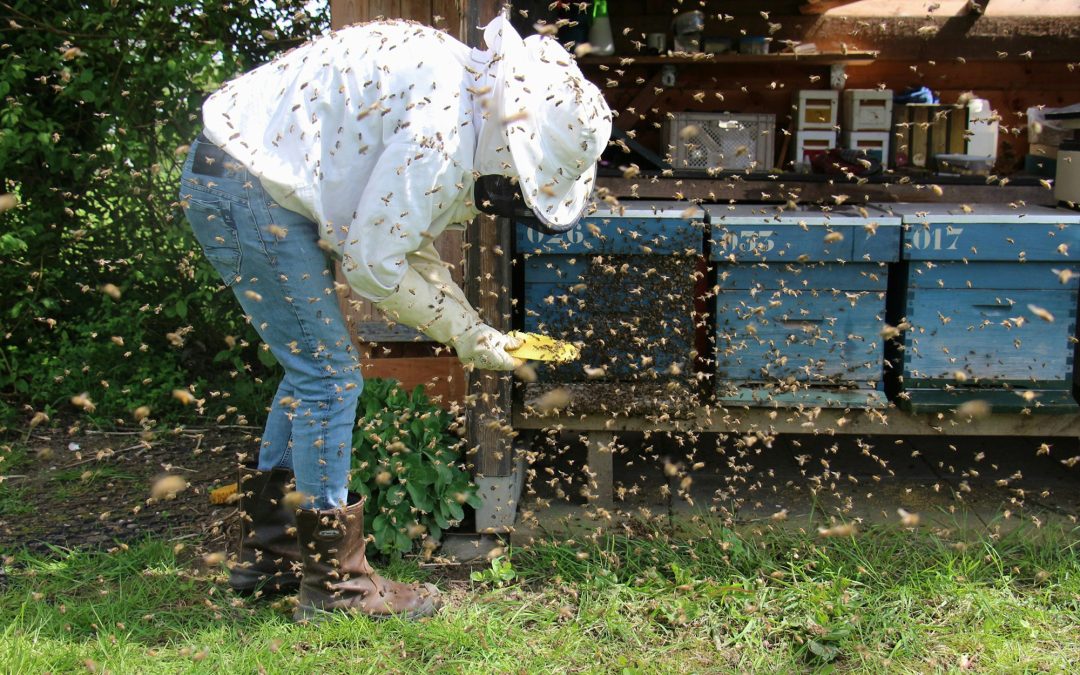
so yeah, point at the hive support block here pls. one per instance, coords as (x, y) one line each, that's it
(500, 495)
(601, 463)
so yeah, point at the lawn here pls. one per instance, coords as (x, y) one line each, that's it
(693, 599)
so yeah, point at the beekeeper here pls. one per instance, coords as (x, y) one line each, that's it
(368, 143)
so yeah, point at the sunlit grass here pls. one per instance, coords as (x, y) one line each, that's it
(701, 599)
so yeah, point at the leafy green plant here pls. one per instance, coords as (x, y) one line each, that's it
(408, 465)
(98, 102)
(500, 573)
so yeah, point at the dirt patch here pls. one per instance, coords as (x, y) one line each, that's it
(92, 490)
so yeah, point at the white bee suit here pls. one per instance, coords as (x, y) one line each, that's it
(367, 131)
(376, 132)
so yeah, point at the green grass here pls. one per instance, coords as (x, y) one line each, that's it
(705, 600)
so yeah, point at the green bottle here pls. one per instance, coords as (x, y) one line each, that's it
(600, 36)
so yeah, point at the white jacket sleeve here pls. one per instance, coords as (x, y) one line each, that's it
(409, 188)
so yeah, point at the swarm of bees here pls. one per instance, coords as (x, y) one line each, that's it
(660, 322)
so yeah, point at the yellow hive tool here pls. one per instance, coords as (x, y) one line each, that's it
(536, 347)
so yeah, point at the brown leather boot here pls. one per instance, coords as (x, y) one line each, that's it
(337, 576)
(269, 557)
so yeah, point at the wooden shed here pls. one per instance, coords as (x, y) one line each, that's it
(791, 62)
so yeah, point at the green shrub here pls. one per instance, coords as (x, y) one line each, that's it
(99, 101)
(407, 463)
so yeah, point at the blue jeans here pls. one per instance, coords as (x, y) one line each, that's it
(270, 258)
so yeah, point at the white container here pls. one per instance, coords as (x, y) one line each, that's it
(868, 109)
(817, 108)
(873, 143)
(982, 139)
(720, 141)
(811, 142)
(1067, 178)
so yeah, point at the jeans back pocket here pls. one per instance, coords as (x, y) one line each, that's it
(212, 222)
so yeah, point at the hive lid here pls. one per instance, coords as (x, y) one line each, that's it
(979, 213)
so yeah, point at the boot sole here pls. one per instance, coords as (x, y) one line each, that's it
(308, 613)
(315, 615)
(247, 584)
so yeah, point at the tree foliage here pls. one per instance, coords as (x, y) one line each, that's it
(105, 289)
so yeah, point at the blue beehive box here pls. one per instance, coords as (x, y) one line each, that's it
(800, 303)
(621, 284)
(987, 305)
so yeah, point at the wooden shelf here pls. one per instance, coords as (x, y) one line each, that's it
(812, 188)
(849, 59)
(807, 419)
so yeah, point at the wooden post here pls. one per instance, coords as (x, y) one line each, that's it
(487, 285)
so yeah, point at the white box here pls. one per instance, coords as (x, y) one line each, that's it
(873, 143)
(868, 109)
(811, 142)
(817, 108)
(714, 142)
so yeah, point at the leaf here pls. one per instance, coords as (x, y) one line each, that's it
(181, 309)
(395, 495)
(823, 651)
(266, 357)
(421, 498)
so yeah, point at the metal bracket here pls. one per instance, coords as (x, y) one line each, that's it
(668, 75)
(837, 76)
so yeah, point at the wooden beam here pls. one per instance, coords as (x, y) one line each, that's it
(822, 6)
(808, 190)
(443, 377)
(640, 104)
(487, 284)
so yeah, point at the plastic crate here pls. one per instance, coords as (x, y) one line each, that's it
(711, 142)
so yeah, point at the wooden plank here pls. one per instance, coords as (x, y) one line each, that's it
(386, 9)
(346, 12)
(799, 189)
(487, 284)
(447, 15)
(886, 8)
(822, 6)
(416, 10)
(854, 58)
(780, 419)
(443, 377)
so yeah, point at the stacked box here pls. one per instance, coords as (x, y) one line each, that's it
(811, 142)
(868, 109)
(815, 123)
(817, 109)
(988, 305)
(800, 304)
(874, 143)
(620, 284)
